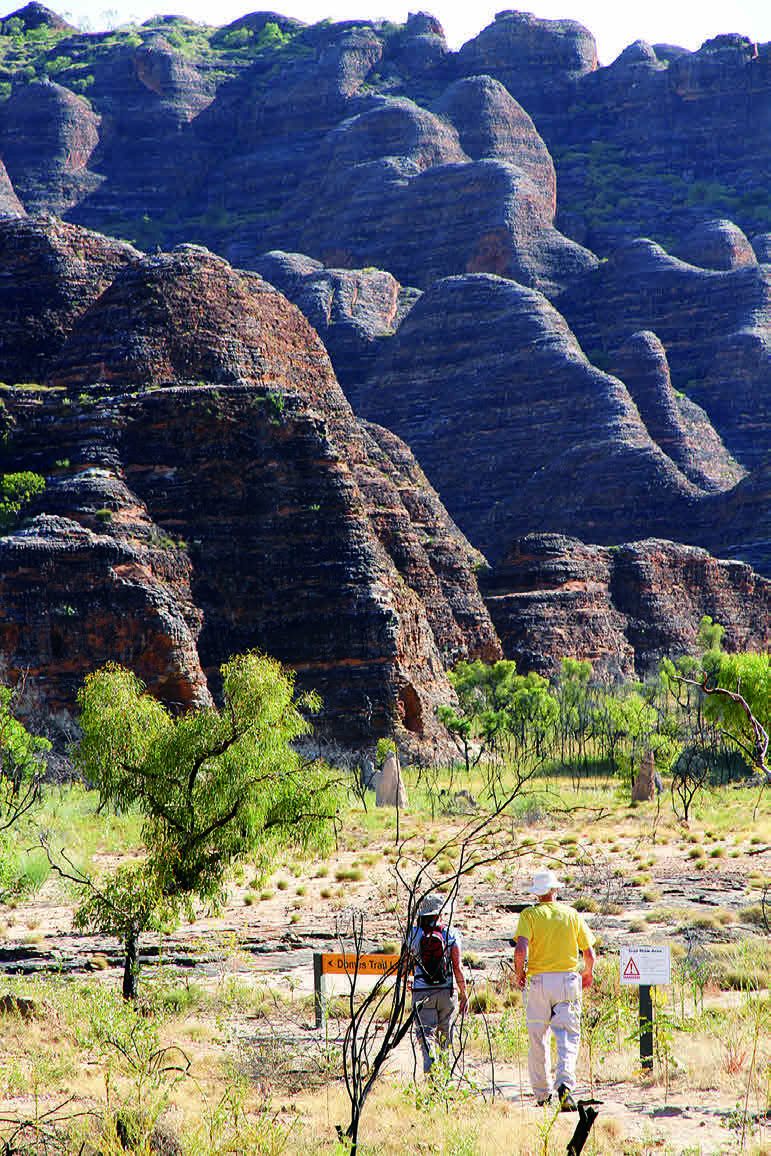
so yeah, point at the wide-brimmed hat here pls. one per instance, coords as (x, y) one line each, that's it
(431, 905)
(544, 881)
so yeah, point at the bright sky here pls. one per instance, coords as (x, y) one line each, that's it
(614, 23)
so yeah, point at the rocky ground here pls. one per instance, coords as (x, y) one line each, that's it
(639, 878)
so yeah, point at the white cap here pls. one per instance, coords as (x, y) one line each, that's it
(544, 881)
(431, 905)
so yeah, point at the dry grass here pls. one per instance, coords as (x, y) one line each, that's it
(710, 1060)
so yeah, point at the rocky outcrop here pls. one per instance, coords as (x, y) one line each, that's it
(50, 272)
(550, 599)
(717, 245)
(737, 523)
(328, 143)
(761, 245)
(194, 431)
(47, 138)
(10, 205)
(99, 599)
(483, 216)
(661, 140)
(415, 529)
(624, 608)
(521, 435)
(714, 325)
(535, 59)
(146, 95)
(490, 123)
(352, 310)
(655, 143)
(35, 15)
(675, 423)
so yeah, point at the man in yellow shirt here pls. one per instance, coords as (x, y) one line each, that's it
(550, 938)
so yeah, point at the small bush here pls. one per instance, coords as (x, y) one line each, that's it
(485, 999)
(584, 904)
(753, 914)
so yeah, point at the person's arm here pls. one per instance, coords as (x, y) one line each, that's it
(586, 944)
(520, 960)
(588, 972)
(460, 979)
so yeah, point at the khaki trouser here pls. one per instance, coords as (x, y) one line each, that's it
(553, 1002)
(436, 1011)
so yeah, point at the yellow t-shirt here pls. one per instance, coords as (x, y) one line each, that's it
(555, 934)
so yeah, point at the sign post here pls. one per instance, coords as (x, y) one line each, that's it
(337, 963)
(645, 967)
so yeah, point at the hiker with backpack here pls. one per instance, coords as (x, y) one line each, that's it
(551, 937)
(435, 961)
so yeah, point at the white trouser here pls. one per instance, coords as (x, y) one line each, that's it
(436, 1012)
(553, 1001)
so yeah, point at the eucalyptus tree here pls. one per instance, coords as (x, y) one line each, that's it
(214, 786)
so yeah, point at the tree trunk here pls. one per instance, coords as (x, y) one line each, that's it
(131, 966)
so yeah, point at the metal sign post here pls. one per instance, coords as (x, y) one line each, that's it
(319, 1000)
(644, 968)
(646, 1027)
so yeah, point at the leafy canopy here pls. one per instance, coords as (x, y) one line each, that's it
(214, 784)
(21, 763)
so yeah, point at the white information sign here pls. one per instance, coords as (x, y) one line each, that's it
(645, 965)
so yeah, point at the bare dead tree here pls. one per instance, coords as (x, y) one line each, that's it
(380, 1019)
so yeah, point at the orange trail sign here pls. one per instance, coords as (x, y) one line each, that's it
(339, 963)
(335, 963)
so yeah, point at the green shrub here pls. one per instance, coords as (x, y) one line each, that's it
(385, 747)
(16, 490)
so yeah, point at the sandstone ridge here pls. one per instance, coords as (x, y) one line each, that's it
(219, 486)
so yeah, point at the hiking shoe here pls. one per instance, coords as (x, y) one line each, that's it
(567, 1103)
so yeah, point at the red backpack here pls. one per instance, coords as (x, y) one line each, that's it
(434, 956)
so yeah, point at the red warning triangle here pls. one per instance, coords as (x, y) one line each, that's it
(631, 971)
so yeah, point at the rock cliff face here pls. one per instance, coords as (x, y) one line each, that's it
(352, 310)
(207, 476)
(714, 325)
(50, 272)
(674, 422)
(47, 138)
(655, 143)
(10, 205)
(537, 60)
(403, 196)
(717, 245)
(662, 140)
(526, 436)
(623, 608)
(327, 142)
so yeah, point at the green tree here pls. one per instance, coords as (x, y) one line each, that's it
(22, 763)
(709, 636)
(575, 700)
(214, 785)
(483, 690)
